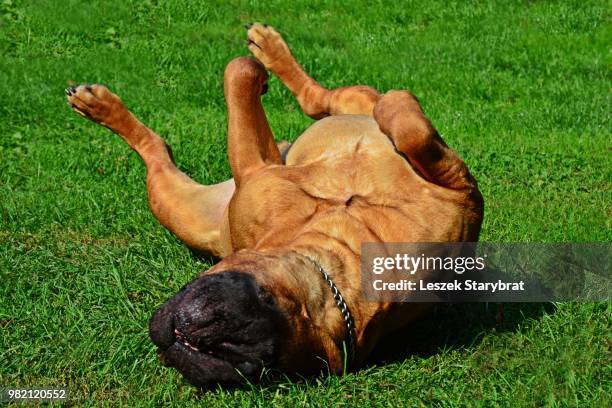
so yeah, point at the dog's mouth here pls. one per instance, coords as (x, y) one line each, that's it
(182, 338)
(225, 350)
(219, 329)
(205, 366)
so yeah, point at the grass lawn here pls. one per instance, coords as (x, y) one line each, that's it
(520, 90)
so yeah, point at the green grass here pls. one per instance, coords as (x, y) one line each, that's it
(520, 90)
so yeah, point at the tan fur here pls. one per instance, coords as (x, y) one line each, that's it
(373, 169)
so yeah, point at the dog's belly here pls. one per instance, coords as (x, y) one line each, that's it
(337, 136)
(343, 183)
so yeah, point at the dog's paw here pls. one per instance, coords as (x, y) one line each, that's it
(97, 103)
(267, 45)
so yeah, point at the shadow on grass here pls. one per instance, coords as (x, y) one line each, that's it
(448, 326)
(454, 326)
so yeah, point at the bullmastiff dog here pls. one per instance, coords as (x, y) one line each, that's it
(288, 227)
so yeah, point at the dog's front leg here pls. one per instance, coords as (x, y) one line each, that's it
(250, 143)
(193, 212)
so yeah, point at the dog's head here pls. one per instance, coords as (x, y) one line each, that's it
(241, 316)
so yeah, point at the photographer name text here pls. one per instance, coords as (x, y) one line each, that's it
(466, 285)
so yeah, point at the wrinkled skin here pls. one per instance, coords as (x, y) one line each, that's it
(371, 169)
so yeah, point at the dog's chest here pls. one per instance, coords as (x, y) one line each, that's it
(348, 199)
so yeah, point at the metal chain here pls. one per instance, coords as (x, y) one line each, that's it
(346, 313)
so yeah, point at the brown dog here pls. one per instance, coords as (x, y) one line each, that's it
(373, 169)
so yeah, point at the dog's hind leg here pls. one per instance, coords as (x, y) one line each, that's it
(399, 116)
(317, 102)
(193, 212)
(398, 113)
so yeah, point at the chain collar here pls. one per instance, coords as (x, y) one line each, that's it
(344, 310)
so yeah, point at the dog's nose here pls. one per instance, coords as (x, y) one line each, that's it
(161, 324)
(220, 328)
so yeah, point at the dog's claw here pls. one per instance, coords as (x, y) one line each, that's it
(248, 25)
(95, 102)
